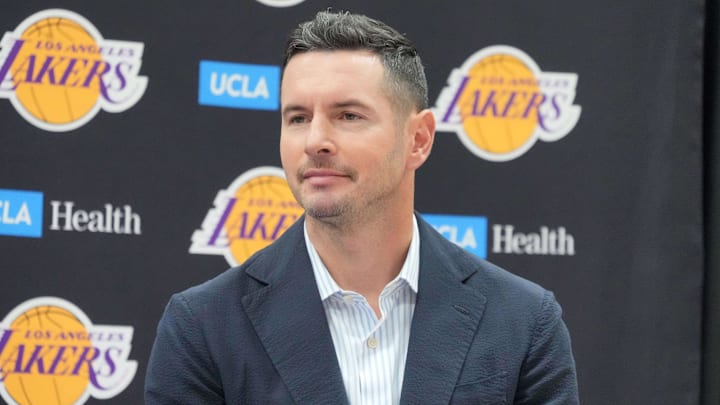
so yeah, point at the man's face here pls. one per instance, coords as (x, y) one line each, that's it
(342, 145)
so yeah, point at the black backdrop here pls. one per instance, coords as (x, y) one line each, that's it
(625, 183)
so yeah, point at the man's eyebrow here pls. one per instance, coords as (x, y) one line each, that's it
(351, 103)
(291, 108)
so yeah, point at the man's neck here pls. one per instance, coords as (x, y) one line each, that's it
(363, 256)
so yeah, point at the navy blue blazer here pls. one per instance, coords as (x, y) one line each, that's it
(257, 334)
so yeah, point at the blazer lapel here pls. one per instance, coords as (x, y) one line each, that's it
(446, 318)
(289, 318)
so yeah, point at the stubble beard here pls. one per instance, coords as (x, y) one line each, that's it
(346, 209)
(327, 210)
(318, 207)
(353, 207)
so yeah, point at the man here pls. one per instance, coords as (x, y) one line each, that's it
(360, 301)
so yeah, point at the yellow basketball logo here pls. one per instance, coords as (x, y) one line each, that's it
(249, 215)
(58, 71)
(499, 103)
(50, 353)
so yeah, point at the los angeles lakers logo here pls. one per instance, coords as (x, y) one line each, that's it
(50, 353)
(58, 71)
(500, 103)
(247, 216)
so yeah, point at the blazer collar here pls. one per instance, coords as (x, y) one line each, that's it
(446, 318)
(289, 318)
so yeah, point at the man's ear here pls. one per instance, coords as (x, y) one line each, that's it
(422, 127)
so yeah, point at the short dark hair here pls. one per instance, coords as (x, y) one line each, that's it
(345, 31)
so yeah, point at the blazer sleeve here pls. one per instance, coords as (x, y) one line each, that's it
(548, 373)
(180, 369)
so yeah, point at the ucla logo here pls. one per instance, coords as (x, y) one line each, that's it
(238, 85)
(468, 232)
(58, 71)
(247, 216)
(500, 103)
(21, 213)
(51, 353)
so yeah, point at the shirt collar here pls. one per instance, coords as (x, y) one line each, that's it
(327, 285)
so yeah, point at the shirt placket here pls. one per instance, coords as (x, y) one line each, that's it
(376, 354)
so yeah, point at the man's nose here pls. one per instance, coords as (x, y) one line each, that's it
(320, 140)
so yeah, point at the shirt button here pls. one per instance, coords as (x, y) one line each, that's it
(348, 299)
(372, 343)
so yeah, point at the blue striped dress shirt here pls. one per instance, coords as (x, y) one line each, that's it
(371, 352)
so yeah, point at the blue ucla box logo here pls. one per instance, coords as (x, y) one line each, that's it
(21, 213)
(239, 85)
(465, 231)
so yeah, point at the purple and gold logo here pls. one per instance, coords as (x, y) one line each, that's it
(51, 353)
(58, 71)
(500, 103)
(247, 216)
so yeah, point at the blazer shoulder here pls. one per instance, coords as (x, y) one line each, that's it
(491, 280)
(500, 280)
(256, 272)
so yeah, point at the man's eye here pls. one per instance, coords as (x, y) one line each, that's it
(350, 116)
(298, 119)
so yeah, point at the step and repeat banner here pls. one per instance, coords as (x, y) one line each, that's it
(140, 157)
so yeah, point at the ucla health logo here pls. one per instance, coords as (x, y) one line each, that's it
(500, 103)
(255, 210)
(239, 85)
(21, 213)
(51, 353)
(468, 232)
(58, 71)
(472, 233)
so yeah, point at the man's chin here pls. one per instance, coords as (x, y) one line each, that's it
(322, 213)
(325, 211)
